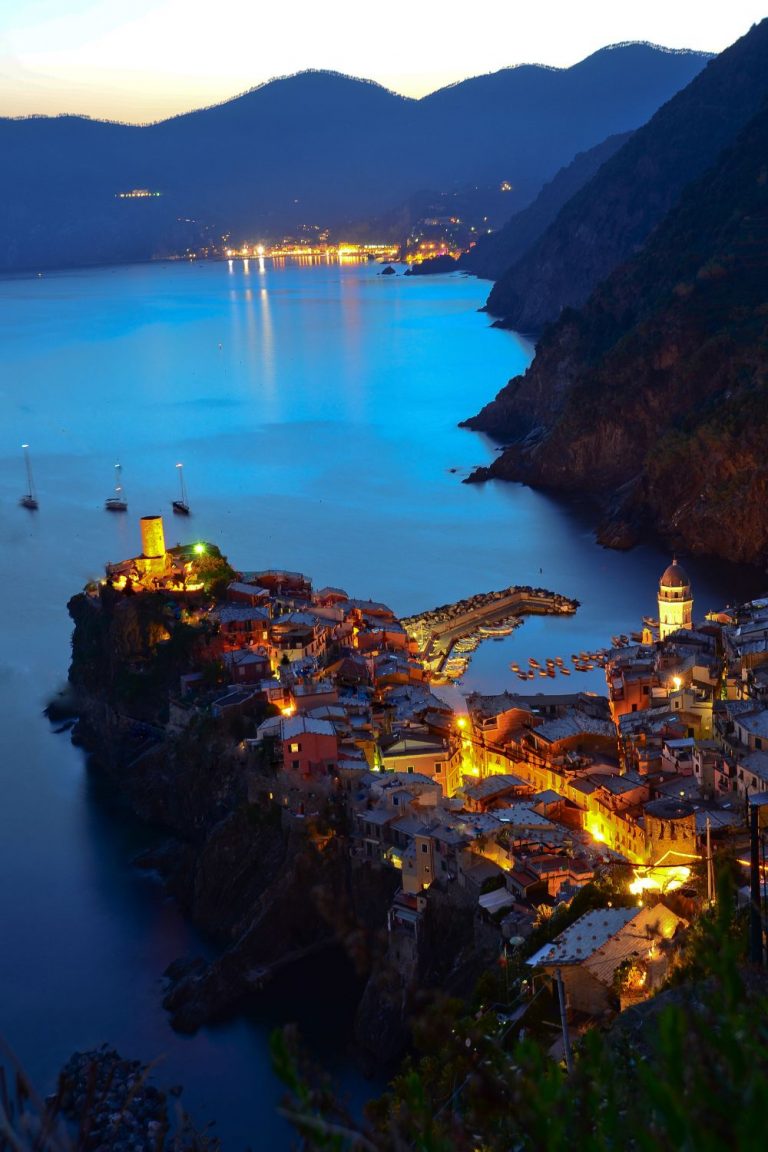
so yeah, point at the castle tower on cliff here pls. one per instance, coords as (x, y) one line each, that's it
(152, 545)
(675, 600)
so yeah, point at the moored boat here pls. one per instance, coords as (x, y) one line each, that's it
(181, 506)
(28, 500)
(118, 502)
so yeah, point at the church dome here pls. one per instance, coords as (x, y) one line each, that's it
(674, 577)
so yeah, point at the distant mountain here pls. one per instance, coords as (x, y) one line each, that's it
(654, 396)
(315, 149)
(611, 216)
(494, 254)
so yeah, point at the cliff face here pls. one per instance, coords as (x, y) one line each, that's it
(655, 394)
(493, 255)
(609, 219)
(269, 895)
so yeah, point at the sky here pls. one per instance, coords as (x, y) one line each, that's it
(143, 60)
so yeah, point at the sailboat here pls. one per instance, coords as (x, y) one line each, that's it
(28, 500)
(118, 502)
(181, 506)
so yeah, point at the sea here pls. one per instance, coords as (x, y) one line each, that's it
(315, 410)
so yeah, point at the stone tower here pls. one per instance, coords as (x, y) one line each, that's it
(152, 544)
(675, 600)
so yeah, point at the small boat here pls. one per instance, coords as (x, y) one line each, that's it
(28, 500)
(522, 675)
(551, 672)
(533, 663)
(565, 671)
(515, 667)
(118, 502)
(181, 506)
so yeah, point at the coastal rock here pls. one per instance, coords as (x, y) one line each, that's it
(315, 902)
(111, 1104)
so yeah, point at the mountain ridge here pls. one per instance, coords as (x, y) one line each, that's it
(334, 72)
(318, 150)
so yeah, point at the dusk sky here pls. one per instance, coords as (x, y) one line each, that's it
(149, 59)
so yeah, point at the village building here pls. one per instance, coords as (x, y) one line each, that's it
(587, 955)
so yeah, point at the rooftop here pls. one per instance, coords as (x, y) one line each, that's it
(583, 938)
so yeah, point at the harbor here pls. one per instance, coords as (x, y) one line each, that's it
(447, 636)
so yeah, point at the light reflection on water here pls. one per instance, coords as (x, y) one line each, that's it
(315, 412)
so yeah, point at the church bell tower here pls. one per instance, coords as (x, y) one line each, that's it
(675, 600)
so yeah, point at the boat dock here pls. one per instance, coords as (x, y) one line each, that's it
(464, 623)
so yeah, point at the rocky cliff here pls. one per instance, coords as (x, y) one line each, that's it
(610, 218)
(268, 893)
(654, 395)
(494, 254)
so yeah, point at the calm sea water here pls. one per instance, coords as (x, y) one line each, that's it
(315, 411)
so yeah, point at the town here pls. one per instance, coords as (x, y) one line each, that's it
(504, 806)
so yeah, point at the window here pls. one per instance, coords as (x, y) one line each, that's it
(295, 747)
(295, 764)
(438, 768)
(425, 847)
(410, 769)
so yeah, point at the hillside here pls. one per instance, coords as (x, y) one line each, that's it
(494, 254)
(609, 219)
(654, 396)
(315, 149)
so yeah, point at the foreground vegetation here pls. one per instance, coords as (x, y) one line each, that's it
(687, 1070)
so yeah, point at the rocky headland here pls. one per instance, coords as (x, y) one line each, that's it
(652, 396)
(269, 888)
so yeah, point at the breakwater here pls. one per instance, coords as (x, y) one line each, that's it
(461, 626)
